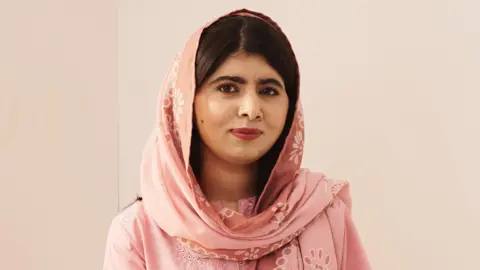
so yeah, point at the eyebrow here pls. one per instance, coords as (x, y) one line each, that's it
(241, 80)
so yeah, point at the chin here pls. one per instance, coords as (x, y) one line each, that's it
(244, 158)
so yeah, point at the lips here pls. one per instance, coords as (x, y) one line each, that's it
(246, 133)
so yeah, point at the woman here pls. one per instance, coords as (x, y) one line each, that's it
(221, 180)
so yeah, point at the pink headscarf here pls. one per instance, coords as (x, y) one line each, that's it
(298, 210)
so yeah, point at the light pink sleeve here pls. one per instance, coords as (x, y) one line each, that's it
(121, 251)
(354, 255)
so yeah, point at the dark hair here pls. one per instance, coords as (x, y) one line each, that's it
(236, 33)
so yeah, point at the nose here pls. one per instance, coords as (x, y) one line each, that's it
(250, 107)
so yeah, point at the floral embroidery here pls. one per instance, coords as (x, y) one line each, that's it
(171, 81)
(173, 74)
(177, 102)
(203, 257)
(186, 260)
(281, 210)
(282, 261)
(297, 151)
(301, 122)
(172, 101)
(171, 128)
(285, 241)
(249, 254)
(199, 250)
(240, 255)
(317, 260)
(226, 213)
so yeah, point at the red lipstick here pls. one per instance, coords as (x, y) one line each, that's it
(246, 133)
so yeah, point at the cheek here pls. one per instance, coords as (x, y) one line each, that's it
(277, 113)
(211, 112)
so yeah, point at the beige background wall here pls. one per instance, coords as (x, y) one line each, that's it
(390, 90)
(58, 132)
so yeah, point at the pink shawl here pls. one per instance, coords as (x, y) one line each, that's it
(298, 209)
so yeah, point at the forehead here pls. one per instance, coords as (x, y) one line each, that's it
(247, 66)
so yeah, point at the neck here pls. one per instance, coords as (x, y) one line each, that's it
(224, 181)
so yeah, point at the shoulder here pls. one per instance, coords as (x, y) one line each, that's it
(130, 216)
(127, 226)
(338, 189)
(125, 245)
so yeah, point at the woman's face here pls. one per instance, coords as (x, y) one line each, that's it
(241, 109)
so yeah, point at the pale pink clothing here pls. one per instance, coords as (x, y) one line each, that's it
(301, 220)
(135, 243)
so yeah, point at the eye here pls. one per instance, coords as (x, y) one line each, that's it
(269, 91)
(227, 88)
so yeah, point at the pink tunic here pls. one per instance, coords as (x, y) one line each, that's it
(135, 242)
